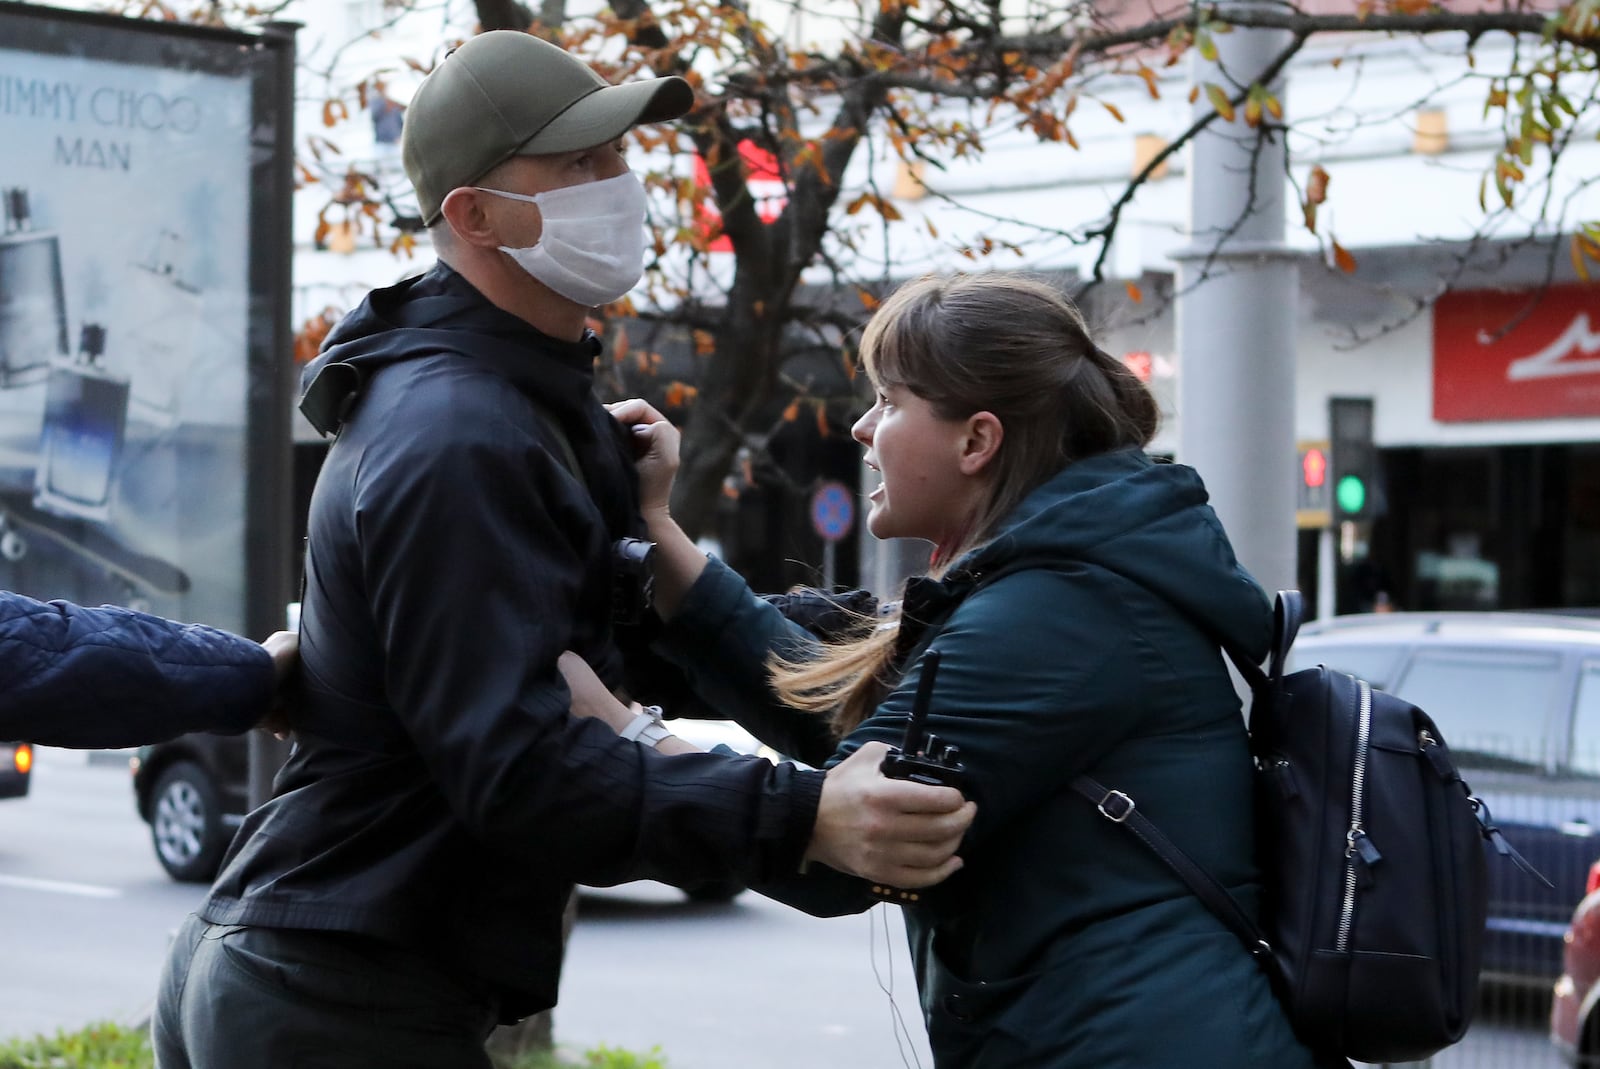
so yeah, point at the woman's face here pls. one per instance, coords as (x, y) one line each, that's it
(923, 492)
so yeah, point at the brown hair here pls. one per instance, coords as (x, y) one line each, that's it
(997, 343)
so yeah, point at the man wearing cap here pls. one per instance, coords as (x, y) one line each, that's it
(403, 890)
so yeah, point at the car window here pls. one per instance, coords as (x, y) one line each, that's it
(1492, 705)
(1375, 664)
(1586, 722)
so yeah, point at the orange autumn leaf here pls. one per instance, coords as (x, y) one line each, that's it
(704, 343)
(1317, 185)
(1135, 294)
(822, 420)
(792, 413)
(1343, 259)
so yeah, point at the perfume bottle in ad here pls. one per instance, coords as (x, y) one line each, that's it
(85, 416)
(159, 330)
(33, 311)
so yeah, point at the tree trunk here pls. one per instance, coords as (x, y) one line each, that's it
(510, 1042)
(503, 15)
(709, 446)
(736, 389)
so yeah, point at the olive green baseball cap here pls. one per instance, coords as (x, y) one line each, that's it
(505, 93)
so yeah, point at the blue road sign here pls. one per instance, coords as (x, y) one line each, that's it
(833, 511)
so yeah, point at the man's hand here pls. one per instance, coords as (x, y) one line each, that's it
(888, 831)
(284, 646)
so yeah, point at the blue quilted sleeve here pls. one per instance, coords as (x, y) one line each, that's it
(110, 677)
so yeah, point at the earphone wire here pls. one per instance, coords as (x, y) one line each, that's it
(902, 1034)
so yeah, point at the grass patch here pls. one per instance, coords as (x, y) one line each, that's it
(110, 1046)
(601, 1057)
(99, 1046)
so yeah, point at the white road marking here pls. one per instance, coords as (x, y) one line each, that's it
(60, 887)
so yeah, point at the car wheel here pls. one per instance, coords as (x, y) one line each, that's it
(714, 891)
(186, 824)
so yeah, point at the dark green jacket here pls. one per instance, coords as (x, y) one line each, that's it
(1063, 942)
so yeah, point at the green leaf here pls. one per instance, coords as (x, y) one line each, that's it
(1218, 97)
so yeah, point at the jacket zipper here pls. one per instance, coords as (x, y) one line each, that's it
(1354, 837)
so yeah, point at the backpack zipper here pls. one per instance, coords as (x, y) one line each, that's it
(1354, 838)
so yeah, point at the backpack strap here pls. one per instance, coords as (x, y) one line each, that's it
(1288, 612)
(1120, 809)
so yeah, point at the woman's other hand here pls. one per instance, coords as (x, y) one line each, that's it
(655, 451)
(590, 696)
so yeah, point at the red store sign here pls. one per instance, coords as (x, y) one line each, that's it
(1546, 365)
(762, 178)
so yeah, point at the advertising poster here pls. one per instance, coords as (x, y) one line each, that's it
(125, 328)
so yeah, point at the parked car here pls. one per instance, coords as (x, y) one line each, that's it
(193, 792)
(16, 769)
(1574, 1024)
(1517, 696)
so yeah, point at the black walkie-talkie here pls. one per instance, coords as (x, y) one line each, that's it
(922, 758)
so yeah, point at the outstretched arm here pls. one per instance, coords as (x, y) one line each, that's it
(887, 831)
(111, 677)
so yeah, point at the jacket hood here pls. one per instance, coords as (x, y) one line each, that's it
(1148, 522)
(438, 311)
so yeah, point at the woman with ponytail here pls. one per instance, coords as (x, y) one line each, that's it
(1068, 568)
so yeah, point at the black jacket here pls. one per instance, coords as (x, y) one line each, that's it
(75, 676)
(440, 795)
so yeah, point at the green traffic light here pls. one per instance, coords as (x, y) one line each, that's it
(1351, 493)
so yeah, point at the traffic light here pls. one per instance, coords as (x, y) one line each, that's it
(1354, 463)
(1313, 507)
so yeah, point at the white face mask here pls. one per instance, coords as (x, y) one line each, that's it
(591, 249)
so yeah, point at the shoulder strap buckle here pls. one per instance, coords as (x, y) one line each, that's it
(1116, 807)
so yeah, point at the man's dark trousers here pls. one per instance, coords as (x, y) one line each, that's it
(236, 997)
